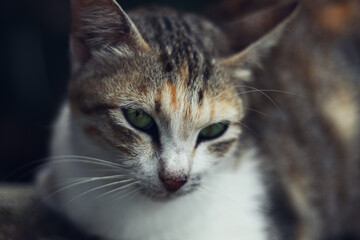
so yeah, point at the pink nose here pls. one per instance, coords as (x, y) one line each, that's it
(173, 184)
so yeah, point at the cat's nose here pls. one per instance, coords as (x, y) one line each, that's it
(173, 183)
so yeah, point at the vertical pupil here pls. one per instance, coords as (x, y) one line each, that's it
(137, 113)
(140, 117)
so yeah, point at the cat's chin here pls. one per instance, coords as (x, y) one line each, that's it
(163, 196)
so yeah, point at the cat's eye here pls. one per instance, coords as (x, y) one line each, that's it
(139, 119)
(213, 131)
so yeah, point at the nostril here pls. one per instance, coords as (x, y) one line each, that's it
(173, 184)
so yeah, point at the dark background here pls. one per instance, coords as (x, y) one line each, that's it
(34, 68)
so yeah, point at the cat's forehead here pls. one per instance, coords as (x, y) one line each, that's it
(183, 47)
(180, 69)
(186, 44)
(172, 102)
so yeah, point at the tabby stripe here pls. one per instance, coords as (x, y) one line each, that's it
(221, 148)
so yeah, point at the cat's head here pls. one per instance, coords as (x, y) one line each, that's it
(158, 92)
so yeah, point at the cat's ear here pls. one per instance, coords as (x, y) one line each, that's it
(99, 24)
(259, 32)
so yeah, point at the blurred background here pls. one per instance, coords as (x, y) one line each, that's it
(34, 69)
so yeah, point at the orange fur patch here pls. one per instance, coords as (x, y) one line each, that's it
(173, 99)
(338, 17)
(198, 114)
(184, 72)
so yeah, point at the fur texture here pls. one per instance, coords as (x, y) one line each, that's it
(105, 174)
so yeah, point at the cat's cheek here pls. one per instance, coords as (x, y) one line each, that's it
(211, 154)
(221, 149)
(202, 160)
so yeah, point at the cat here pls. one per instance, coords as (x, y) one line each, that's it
(149, 144)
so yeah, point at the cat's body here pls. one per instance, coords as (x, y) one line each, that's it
(311, 138)
(186, 174)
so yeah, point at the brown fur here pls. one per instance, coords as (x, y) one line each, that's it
(221, 148)
(311, 138)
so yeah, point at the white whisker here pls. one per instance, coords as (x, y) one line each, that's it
(242, 124)
(117, 189)
(92, 179)
(64, 159)
(259, 112)
(127, 194)
(97, 188)
(77, 179)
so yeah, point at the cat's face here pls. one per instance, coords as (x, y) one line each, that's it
(157, 93)
(167, 131)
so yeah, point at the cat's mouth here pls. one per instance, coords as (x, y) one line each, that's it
(163, 194)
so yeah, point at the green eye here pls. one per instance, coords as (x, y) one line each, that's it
(139, 119)
(213, 131)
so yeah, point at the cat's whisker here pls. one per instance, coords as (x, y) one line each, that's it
(256, 111)
(250, 91)
(262, 92)
(97, 188)
(118, 165)
(84, 159)
(112, 166)
(122, 196)
(271, 90)
(128, 163)
(63, 159)
(117, 189)
(247, 127)
(91, 170)
(88, 180)
(46, 198)
(77, 179)
(269, 98)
